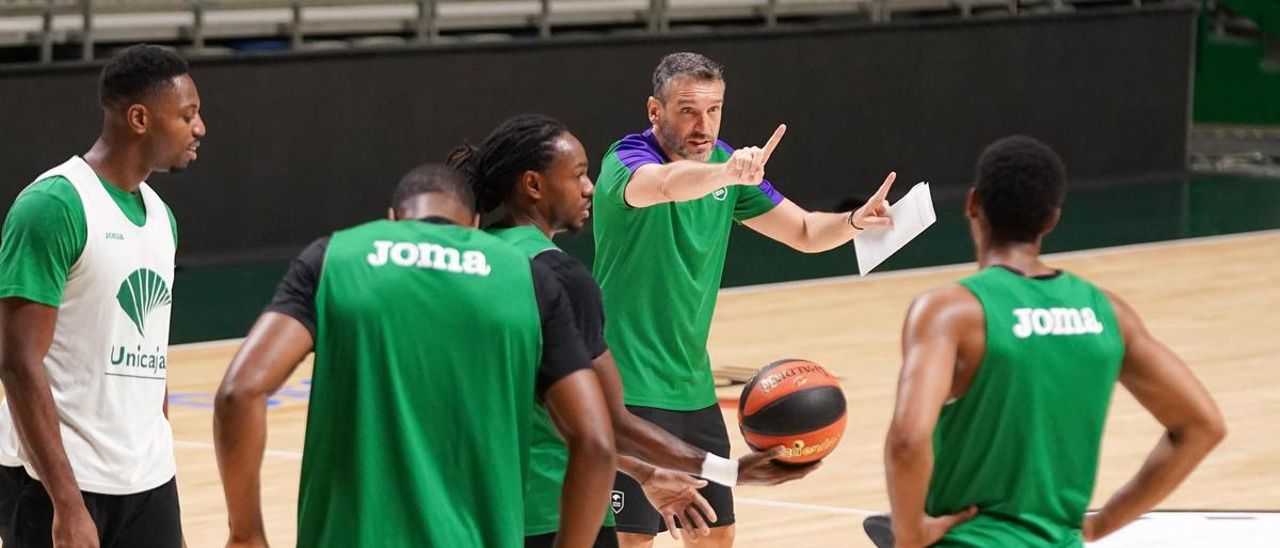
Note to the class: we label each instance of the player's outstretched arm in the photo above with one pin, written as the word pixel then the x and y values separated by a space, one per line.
pixel 577 409
pixel 931 337
pixel 674 495
pixel 686 180
pixel 1163 384
pixel 26 331
pixel 818 231
pixel 646 441
pixel 275 346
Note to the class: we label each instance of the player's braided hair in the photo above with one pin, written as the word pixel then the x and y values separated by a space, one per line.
pixel 137 71
pixel 520 144
pixel 1020 183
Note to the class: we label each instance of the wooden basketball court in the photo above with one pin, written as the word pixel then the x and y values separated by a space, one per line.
pixel 1216 301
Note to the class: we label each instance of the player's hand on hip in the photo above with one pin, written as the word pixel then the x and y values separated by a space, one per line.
pixel 746 165
pixel 875 213
pixel 933 529
pixel 759 468
pixel 1094 527
pixel 675 496
pixel 74 528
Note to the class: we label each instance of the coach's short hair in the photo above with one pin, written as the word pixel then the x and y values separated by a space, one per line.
pixel 138 71
pixel 1021 182
pixel 684 64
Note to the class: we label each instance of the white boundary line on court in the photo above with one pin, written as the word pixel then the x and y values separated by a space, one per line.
pixel 907 273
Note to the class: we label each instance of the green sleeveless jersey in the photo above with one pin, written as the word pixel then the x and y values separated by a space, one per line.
pixel 1022 444
pixel 548 456
pixel 428 340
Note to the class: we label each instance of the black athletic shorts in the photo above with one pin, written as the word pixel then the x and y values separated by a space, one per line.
pixel 608 538
pixel 704 429
pixel 150 519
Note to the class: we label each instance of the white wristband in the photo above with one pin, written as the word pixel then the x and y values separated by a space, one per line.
pixel 720 470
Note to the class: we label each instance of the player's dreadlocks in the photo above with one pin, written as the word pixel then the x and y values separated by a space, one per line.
pixel 520 144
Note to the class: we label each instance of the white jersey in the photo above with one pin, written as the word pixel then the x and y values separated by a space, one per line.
pixel 107 363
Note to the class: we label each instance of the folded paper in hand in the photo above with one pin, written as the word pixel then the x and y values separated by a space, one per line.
pixel 911 215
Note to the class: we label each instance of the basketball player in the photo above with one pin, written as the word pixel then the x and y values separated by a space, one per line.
pixel 536 170
pixel 665 202
pixel 86 267
pixel 1007 377
pixel 431 341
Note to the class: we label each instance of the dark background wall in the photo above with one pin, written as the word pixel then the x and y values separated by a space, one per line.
pixel 301 144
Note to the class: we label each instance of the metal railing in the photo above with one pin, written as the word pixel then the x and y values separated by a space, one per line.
pixel 47 23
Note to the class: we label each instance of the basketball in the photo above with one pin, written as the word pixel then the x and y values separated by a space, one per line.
pixel 796 404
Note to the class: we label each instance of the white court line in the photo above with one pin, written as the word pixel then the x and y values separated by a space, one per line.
pixel 296 455
pixel 912 272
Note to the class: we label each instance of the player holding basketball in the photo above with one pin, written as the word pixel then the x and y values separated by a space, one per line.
pixel 86 267
pixel 665 202
pixel 1006 381
pixel 431 339
pixel 536 170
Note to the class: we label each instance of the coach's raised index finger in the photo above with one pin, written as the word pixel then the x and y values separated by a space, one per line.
pixel 773 142
pixel 883 193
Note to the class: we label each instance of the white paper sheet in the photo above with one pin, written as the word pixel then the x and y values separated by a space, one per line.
pixel 911 215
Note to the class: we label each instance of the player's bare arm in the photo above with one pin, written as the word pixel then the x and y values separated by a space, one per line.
pixel 276 344
pixel 27 333
pixel 674 495
pixel 932 336
pixel 577 408
pixel 1165 386
pixel 644 440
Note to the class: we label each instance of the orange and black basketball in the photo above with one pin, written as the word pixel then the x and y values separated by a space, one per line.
pixel 796 404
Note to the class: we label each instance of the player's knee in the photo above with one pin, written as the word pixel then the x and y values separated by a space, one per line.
pixel 634 540
pixel 720 537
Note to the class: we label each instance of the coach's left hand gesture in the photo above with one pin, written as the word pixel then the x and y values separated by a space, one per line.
pixel 874 213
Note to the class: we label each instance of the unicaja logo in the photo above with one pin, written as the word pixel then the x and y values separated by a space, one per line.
pixel 142 292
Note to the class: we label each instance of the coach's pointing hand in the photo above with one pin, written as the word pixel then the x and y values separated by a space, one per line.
pixel 874 213
pixel 759 468
pixel 746 166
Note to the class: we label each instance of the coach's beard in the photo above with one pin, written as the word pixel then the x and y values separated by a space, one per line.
pixel 671 141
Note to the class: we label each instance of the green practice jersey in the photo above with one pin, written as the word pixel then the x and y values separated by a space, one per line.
pixel 427 343
pixel 1022 444
pixel 548 456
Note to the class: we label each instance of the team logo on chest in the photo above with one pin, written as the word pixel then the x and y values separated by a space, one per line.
pixel 720 194
pixel 1055 321
pixel 142 292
